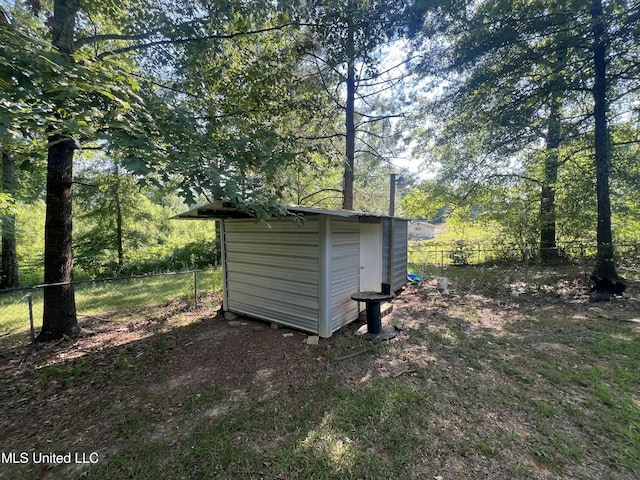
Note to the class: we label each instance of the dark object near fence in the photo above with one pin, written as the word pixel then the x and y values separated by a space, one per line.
pixel 605 289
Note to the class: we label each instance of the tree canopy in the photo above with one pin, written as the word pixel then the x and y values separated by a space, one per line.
pixel 526 110
pixel 529 89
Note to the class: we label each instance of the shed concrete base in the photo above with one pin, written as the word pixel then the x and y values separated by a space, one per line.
pixel 230 315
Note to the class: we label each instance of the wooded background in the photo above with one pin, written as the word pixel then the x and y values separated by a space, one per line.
pixel 520 116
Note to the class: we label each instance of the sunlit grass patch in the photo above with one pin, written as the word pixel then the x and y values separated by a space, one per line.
pixel 117 297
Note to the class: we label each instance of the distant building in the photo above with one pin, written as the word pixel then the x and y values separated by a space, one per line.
pixel 421 230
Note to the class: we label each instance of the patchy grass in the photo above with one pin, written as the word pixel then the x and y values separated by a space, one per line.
pixel 123 295
pixel 477 384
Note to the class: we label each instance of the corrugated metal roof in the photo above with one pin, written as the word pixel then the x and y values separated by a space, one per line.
pixel 224 209
pixel 219 209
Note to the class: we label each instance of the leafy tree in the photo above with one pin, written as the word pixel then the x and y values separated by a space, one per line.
pixel 527 70
pixel 79 85
pixel 22 185
pixel 10 187
pixel 9 275
pixel 103 200
pixel 312 181
pixel 625 180
pixel 346 44
pixel 510 87
pixel 55 91
pixel 124 228
pixel 251 102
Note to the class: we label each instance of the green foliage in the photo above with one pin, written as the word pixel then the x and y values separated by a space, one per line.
pixel 460 253
pixel 224 134
pixel 153 242
pixel 7 204
pixel 515 94
pixel 242 104
pixel 30 241
pixel 576 204
pixel 625 181
pixel 97 95
pixel 373 23
pixel 342 39
pixel 149 240
pixel 421 201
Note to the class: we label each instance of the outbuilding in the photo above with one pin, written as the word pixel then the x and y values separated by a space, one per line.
pixel 421 230
pixel 301 269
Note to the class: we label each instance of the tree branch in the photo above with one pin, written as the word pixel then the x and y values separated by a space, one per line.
pixel 373 119
pixel 181 41
pixel 306 197
pixel 321 137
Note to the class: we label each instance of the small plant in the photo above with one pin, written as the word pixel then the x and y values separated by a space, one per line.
pixel 81 368
pixel 134 424
pixel 542 454
pixel 461 253
pixel 55 372
pixel 631 450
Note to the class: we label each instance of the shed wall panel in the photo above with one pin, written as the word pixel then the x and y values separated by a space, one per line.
pixel 266 273
pixel 301 250
pixel 400 238
pixel 272 273
pixel 399 259
pixel 385 250
pixel 295 287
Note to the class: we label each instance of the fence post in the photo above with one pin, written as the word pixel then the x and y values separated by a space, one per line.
pixel 195 289
pixel 33 335
pixel 442 263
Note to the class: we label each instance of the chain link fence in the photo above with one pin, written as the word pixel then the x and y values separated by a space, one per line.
pixel 21 308
pixel 515 262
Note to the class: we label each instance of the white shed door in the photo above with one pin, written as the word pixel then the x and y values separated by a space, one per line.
pixel 371 257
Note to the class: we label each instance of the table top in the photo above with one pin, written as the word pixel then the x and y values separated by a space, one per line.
pixel 371 297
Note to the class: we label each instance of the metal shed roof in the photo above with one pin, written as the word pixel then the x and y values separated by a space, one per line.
pixel 224 209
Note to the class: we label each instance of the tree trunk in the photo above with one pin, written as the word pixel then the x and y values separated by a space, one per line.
pixel 59 311
pixel 548 247
pixel 9 275
pixel 59 315
pixel 605 264
pixel 350 149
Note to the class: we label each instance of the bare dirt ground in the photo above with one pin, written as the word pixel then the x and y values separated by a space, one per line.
pixel 154 361
pixel 78 395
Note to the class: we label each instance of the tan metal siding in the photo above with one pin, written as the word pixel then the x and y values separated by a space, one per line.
pixel 385 249
pixel 400 237
pixel 272 273
pixel 399 267
pixel 345 271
